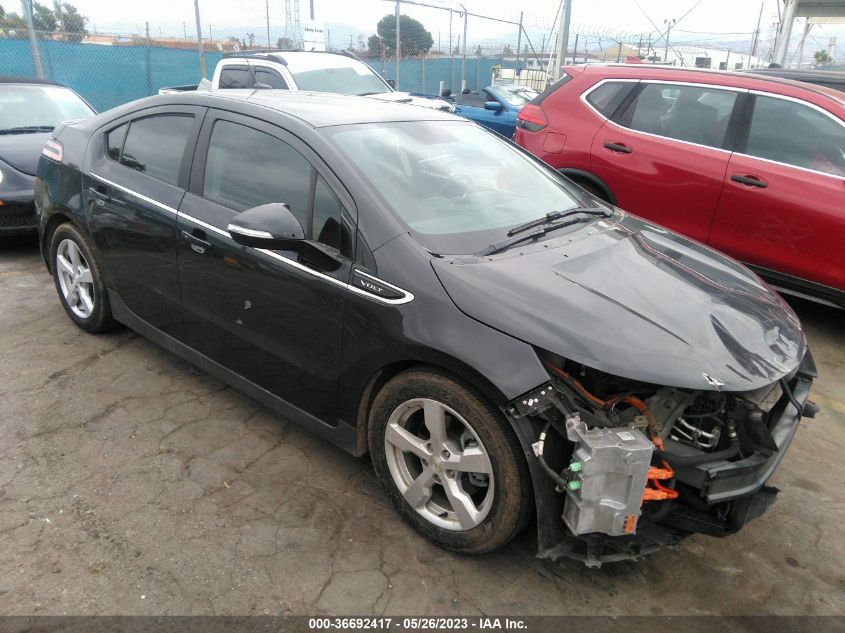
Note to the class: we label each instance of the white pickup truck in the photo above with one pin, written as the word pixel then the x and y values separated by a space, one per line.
pixel 341 73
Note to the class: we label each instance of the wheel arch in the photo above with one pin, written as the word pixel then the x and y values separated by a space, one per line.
pixel 57 218
pixel 450 367
pixel 580 176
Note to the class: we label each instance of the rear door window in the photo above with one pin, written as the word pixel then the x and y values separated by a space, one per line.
pixel 788 132
pixel 114 141
pixel 693 114
pixel 155 145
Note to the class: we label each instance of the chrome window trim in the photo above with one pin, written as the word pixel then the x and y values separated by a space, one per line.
pixel 595 86
pixel 135 194
pixel 406 298
pixel 813 106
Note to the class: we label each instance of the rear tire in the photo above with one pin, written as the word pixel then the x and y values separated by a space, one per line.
pixel 79 280
pixel 450 464
pixel 591 188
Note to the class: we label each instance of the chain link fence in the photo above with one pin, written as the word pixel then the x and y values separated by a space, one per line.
pixel 422 48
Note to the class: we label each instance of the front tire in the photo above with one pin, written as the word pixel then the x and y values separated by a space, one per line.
pixel 79 280
pixel 449 462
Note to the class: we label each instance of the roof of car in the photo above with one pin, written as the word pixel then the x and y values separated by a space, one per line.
pixel 318 109
pixel 706 75
pixel 12 79
pixel 801 74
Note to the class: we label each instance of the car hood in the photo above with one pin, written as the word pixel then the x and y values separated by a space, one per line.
pixel 635 300
pixel 22 151
pixel 407 97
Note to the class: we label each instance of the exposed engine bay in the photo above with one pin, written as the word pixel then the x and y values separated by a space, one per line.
pixel 640 466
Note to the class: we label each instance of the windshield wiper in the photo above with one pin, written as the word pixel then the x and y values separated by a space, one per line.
pixel 28 129
pixel 552 216
pixel 540 231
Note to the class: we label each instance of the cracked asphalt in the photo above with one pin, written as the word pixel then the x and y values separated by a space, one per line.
pixel 131 483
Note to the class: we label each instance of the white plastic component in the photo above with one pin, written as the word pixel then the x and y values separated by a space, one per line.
pixel 614 467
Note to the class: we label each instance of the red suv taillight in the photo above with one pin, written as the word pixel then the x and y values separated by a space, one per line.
pixel 532 118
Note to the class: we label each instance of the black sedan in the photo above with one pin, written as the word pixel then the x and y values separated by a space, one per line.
pixel 407 284
pixel 29 110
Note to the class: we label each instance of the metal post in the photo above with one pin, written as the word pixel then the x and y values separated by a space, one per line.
pixel 423 73
pixel 519 40
pixel 33 40
pixel 756 34
pixel 398 45
pixel 149 70
pixel 669 25
pixel 563 37
pixel 267 7
pixel 785 31
pixel 478 72
pixel 464 57
pixel 451 53
pixel 200 48
pixel 575 50
pixel 618 52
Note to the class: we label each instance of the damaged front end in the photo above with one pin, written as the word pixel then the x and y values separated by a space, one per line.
pixel 622 468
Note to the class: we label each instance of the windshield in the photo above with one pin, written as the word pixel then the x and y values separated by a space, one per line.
pixel 343 76
pixel 457 187
pixel 35 106
pixel 516 96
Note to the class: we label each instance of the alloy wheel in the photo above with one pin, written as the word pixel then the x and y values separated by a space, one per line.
pixel 75 280
pixel 439 464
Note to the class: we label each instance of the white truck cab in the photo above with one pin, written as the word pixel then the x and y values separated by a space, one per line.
pixel 341 73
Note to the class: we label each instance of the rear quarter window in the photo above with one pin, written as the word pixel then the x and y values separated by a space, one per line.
pixel 607 97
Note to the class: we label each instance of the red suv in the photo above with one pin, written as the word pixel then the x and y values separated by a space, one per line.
pixel 751 165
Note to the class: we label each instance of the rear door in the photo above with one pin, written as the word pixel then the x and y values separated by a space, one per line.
pixel 139 173
pixel 270 316
pixel 783 205
pixel 664 153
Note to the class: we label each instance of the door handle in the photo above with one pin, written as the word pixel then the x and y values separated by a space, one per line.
pixel 620 148
pixel 196 242
pixel 751 181
pixel 99 194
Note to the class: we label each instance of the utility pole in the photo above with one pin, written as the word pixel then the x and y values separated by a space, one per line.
pixel 519 40
pixel 669 24
pixel 184 30
pixel 200 48
pixel 267 8
pixel 575 49
pixel 33 41
pixel 756 39
pixel 451 53
pixel 563 37
pixel 464 56
pixel 398 45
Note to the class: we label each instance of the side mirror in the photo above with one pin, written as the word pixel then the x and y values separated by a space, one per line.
pixel 391 83
pixel 493 105
pixel 271 226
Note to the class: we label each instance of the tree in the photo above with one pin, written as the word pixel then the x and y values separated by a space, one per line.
pixel 12 22
pixel 73 22
pixel 375 47
pixel 43 18
pixel 821 58
pixel 413 36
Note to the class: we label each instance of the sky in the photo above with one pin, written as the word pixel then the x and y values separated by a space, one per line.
pixel 699 20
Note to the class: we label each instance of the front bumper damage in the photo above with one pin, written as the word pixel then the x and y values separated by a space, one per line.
pixel 717 498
